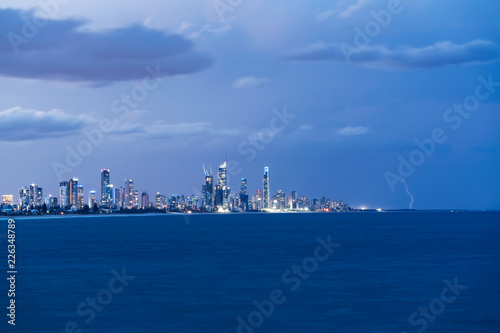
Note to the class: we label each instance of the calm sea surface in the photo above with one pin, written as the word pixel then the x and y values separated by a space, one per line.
pixel 385 272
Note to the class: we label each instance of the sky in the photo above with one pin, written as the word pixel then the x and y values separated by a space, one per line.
pixel 380 103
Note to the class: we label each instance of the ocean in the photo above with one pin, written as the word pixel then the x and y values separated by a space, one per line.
pixel 317 272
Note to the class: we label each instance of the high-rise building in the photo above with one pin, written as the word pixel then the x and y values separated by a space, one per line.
pixel 73 193
pixel 259 201
pixel 145 200
pixel 280 199
pixel 243 194
pixel 105 193
pixel 120 197
pixel 294 203
pixel 194 202
pixel 207 190
pixel 53 202
pixel 39 196
pixel 222 180
pixel 24 197
pixel 266 188
pixel 80 197
pixel 160 201
pixel 117 194
pixel 33 195
pixel 111 197
pixel 92 199
pixel 47 200
pixel 64 194
pixel 129 193
pixel 136 199
pixel 222 190
pixel 175 203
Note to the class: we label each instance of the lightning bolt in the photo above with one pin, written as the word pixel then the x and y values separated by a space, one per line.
pixel 407 191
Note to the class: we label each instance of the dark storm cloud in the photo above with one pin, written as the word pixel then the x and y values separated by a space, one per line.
pixel 64 50
pixel 436 55
pixel 19 124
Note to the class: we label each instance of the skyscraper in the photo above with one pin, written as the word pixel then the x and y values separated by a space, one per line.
pixel 280 199
pixel 294 204
pixel 136 199
pixel 24 197
pixel 53 202
pixel 105 194
pixel 73 193
pixel 92 199
pixel 120 197
pixel 129 193
pixel 207 190
pixel 63 194
pixel 111 198
pixel 243 194
pixel 80 197
pixel 33 195
pixel 145 200
pixel 160 201
pixel 223 191
pixel 39 196
pixel 266 188
pixel 222 180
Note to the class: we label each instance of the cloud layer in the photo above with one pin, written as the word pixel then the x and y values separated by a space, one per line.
pixel 436 55
pixel 18 124
pixel 163 130
pixel 250 82
pixel 63 50
pixel 356 130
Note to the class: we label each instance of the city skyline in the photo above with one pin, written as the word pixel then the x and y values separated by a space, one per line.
pixel 213 197
pixel 386 111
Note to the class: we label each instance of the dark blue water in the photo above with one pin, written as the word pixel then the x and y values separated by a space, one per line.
pixel 200 274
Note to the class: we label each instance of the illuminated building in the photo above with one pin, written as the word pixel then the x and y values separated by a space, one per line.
pixel 73 193
pixel 64 194
pixel 105 190
pixel 266 188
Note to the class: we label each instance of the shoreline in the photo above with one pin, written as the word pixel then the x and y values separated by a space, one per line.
pixel 172 214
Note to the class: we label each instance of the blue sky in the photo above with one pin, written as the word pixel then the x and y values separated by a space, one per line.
pixel 331 95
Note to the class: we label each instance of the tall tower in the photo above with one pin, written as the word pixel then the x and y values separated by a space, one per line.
pixel 207 190
pixel 105 195
pixel 33 195
pixel 63 194
pixel 294 200
pixel 243 194
pixel 222 180
pixel 223 189
pixel 92 199
pixel 266 184
pixel 73 192
pixel 144 200
pixel 39 196
pixel 129 193
pixel 80 196
pixel 243 187
pixel 24 197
